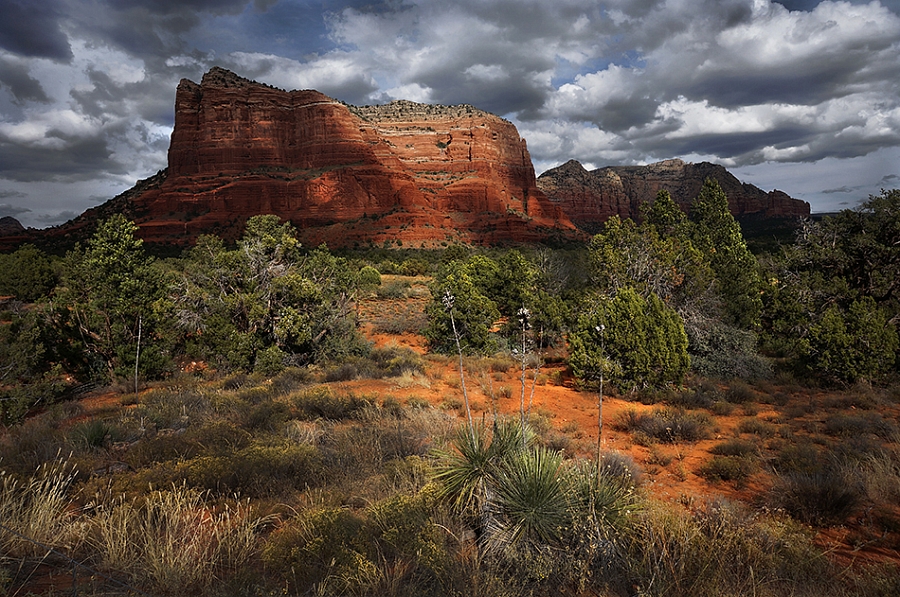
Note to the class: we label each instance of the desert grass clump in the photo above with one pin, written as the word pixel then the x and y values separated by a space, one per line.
pixel 26 447
pixel 321 551
pixel 879 474
pixel 719 549
pixel 263 468
pixel 757 426
pixel 735 447
pixel 395 289
pixel 322 402
pixel 393 361
pixel 727 468
pixel 411 320
pixel 824 497
pixel 801 457
pixel 863 424
pixel 174 541
pixel 172 407
pixel 37 509
pixel 670 425
pixel 290 380
pixel 392 547
pixel 93 433
pixel 740 393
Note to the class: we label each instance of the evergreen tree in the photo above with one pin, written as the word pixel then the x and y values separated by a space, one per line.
pixel 718 236
pixel 455 291
pixel 665 216
pixel 26 274
pixel 635 342
pixel 264 303
pixel 110 287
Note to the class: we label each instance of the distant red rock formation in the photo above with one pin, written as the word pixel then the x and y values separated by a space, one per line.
pixel 403 173
pixel 591 197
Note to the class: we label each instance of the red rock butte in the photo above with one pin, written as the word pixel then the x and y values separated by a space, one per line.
pixel 405 173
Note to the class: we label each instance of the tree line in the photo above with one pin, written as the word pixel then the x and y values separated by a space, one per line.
pixel 642 305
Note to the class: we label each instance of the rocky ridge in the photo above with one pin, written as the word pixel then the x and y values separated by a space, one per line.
pixel 403 173
pixel 589 198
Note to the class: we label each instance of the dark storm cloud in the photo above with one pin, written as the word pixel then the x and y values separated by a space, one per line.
pixel 31 28
pixel 735 145
pixel 56 218
pixel 81 159
pixel 837 190
pixel 11 210
pixel 23 87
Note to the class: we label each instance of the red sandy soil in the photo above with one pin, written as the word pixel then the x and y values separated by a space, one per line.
pixel 574 413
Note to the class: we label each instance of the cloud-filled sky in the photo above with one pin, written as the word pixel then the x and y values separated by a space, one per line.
pixel 799 95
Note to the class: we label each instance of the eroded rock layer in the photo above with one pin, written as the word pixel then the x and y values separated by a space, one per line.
pixel 589 198
pixel 402 173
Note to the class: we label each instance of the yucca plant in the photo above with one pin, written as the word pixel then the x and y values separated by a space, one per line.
pixel 468 467
pixel 468 472
pixel 530 501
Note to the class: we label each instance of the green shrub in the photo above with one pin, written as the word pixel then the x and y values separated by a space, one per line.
pixel 632 341
pixel 727 468
pixel 414 267
pixel 857 344
pixel 257 470
pixel 823 497
pixel 667 424
pixel 369 277
pixel 320 545
pixel 460 315
pixel 270 361
pixel 721 351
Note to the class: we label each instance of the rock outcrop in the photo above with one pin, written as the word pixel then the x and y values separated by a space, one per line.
pixel 589 198
pixel 9 226
pixel 403 173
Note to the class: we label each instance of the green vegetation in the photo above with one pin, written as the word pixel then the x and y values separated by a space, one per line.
pixel 832 299
pixel 632 340
pixel 240 450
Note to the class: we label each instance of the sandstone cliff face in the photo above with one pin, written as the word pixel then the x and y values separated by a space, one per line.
pixel 590 198
pixel 409 173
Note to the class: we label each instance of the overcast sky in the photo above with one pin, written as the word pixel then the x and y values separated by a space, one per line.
pixel 798 95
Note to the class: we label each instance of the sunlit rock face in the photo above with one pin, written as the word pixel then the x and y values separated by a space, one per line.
pixel 589 198
pixel 407 173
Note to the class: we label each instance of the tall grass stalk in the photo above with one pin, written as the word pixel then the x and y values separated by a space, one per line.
pixel 448 304
pixel 175 541
pixel 37 510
